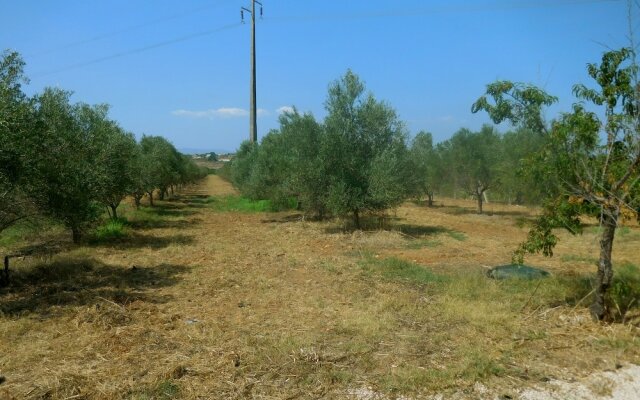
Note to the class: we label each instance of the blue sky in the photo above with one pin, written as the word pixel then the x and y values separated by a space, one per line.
pixel 180 69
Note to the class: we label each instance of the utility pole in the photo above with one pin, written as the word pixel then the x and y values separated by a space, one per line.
pixel 253 123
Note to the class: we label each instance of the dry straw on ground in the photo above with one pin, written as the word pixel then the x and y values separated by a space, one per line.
pixel 205 304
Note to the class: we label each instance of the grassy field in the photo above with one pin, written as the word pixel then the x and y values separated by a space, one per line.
pixel 208 296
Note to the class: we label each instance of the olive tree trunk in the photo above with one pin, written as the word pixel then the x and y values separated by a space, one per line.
pixel 114 211
pixel 76 234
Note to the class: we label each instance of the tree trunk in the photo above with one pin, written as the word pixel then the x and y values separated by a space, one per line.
pixel 479 197
pixel 4 275
pixel 76 234
pixel 162 192
pixel 150 198
pixel 430 199
pixel 356 218
pixel 519 198
pixel 136 200
pixel 114 212
pixel 605 269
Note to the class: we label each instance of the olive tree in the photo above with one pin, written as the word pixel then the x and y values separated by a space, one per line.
pixel 361 134
pixel 17 178
pixel 473 158
pixel 65 160
pixel 425 166
pixel 115 160
pixel 162 165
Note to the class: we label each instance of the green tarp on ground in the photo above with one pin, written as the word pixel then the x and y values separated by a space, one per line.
pixel 520 271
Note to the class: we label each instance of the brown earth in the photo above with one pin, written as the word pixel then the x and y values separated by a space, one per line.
pixel 209 304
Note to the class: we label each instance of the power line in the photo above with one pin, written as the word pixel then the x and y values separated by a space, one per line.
pixel 124 30
pixel 466 8
pixel 137 50
pixel 379 14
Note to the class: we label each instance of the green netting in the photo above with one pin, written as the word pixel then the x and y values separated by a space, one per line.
pixel 520 271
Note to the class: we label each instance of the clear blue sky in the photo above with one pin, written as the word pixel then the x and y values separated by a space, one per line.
pixel 180 69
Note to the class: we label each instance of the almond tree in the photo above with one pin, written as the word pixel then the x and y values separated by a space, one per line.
pixel 593 162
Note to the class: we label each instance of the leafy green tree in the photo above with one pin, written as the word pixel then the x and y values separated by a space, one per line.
pixel 141 180
pixel 427 166
pixel 516 102
pixel 595 163
pixel 518 181
pixel 17 177
pixel 474 157
pixel 68 145
pixel 359 132
pixel 242 165
pixel 190 172
pixel 270 170
pixel 308 179
pixel 163 165
pixel 286 165
pixel 115 160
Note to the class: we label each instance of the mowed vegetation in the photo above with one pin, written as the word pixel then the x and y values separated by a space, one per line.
pixel 334 266
pixel 200 301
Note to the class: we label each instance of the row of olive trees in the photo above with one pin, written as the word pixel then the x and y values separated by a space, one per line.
pixel 353 163
pixel 69 160
pixel 359 160
pixel 472 164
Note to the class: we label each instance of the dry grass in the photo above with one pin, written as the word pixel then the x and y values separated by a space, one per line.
pixel 200 304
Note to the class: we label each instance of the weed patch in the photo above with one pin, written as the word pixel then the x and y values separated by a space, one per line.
pixel 239 204
pixel 395 269
pixel 625 290
pixel 459 236
pixel 423 243
pixel 111 230
pixel 163 390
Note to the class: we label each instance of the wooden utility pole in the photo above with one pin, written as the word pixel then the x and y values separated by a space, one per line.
pixel 253 122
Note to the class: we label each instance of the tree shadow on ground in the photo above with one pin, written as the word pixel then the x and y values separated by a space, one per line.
pixel 48 248
pixel 192 200
pixel 136 241
pixel 163 211
pixel 421 230
pixel 389 224
pixel 76 282
pixel 458 210
pixel 143 224
pixel 284 219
